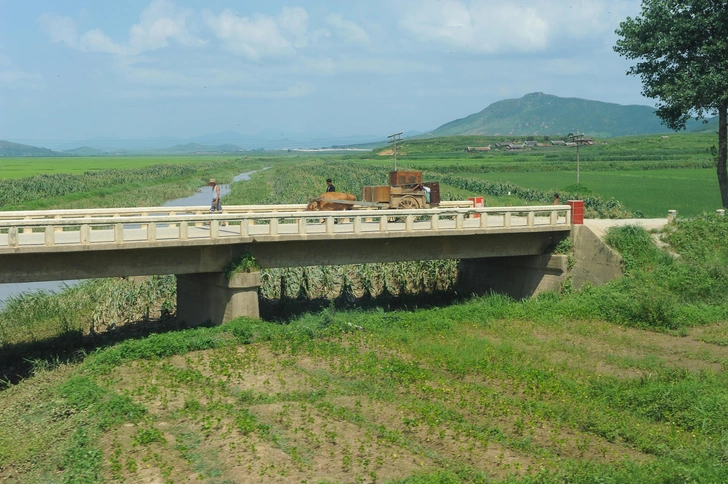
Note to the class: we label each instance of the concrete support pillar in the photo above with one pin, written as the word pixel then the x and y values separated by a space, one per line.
pixel 517 277
pixel 211 297
pixel 671 216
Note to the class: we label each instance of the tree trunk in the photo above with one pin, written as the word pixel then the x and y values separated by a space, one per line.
pixel 723 154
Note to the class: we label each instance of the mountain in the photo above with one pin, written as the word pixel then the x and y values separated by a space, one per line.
pixel 543 114
pixel 84 151
pixel 16 149
pixel 191 148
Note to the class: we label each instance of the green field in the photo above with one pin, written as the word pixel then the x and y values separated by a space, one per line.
pixel 29 166
pixel 621 383
pixel 651 192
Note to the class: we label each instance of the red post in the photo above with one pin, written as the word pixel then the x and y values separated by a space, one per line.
pixel 477 203
pixel 577 211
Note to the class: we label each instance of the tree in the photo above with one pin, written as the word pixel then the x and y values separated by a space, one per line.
pixel 681 48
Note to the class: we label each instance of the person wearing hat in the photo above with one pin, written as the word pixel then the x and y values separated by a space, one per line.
pixel 215 197
pixel 330 186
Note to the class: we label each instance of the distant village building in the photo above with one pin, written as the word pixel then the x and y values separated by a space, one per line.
pixel 558 142
pixel 531 143
pixel 514 146
pixel 479 148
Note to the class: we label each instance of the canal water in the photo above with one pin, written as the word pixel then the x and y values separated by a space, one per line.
pixel 203 197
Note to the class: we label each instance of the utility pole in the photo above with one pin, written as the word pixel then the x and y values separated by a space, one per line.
pixel 579 140
pixel 393 138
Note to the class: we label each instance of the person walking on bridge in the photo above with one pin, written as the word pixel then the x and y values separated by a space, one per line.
pixel 216 206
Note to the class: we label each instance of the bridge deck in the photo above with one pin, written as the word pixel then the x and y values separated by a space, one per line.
pixel 62 234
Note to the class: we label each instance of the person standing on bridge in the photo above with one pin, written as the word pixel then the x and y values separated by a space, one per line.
pixel 330 186
pixel 216 206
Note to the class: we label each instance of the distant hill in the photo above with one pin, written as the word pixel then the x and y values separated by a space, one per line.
pixel 199 148
pixel 543 114
pixel 16 149
pixel 84 151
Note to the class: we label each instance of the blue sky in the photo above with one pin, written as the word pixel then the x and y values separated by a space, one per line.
pixel 79 69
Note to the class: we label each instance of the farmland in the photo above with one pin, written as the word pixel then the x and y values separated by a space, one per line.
pixel 21 167
pixel 620 383
pixel 567 387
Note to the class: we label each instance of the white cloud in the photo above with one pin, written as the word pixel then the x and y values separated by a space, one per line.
pixel 295 21
pixel 160 21
pixel 13 77
pixel 253 38
pixel 491 26
pixel 347 29
pixel 328 66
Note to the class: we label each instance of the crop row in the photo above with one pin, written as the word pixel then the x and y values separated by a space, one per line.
pixel 38 187
pixel 594 207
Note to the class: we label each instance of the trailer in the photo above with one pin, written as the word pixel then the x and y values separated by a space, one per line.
pixel 406 190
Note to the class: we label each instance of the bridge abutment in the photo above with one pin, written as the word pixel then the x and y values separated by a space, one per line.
pixel 211 297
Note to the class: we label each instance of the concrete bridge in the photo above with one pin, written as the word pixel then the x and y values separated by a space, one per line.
pixel 504 246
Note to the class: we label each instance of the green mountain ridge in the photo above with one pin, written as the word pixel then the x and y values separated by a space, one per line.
pixel 544 114
pixel 16 149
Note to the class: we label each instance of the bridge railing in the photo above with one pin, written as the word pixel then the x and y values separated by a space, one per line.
pixel 172 211
pixel 119 230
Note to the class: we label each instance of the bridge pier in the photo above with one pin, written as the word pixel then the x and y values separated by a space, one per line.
pixel 211 297
pixel 517 277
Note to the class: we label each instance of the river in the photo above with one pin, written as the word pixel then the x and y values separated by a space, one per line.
pixel 202 197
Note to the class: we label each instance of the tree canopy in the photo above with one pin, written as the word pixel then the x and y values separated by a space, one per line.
pixel 681 49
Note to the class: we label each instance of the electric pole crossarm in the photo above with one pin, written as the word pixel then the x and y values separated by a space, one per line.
pixel 393 138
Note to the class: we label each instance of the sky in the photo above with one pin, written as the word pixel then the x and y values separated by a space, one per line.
pixel 80 69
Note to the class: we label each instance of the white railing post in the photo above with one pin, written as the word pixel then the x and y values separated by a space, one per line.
pixel 119 233
pixel 13 236
pixel 530 217
pixel 483 220
pixel 554 217
pixel 435 222
pixel 302 226
pixel 357 224
pixel 329 225
pixel 245 227
pixel 183 231
pixel 151 232
pixel 507 220
pixel 383 221
pixel 85 237
pixel 274 226
pixel 50 235
pixel 214 229
pixel 459 221
pixel 409 223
